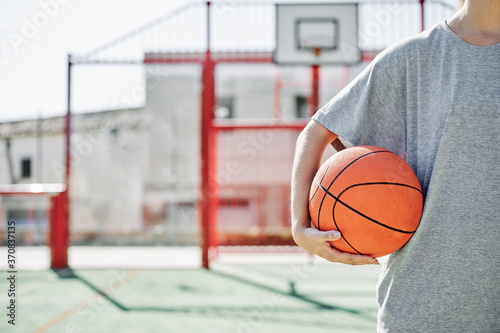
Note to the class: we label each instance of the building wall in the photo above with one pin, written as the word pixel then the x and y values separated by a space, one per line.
pixel 45 162
pixel 140 184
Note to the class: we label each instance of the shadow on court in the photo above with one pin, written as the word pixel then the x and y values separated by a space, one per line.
pixel 227 298
pixel 230 300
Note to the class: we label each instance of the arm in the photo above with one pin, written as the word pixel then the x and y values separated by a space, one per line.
pixel 310 147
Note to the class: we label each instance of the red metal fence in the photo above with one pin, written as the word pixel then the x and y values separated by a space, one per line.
pixel 245 167
pixel 253 175
pixel 56 210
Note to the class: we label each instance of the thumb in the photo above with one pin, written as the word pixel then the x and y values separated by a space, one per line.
pixel 332 235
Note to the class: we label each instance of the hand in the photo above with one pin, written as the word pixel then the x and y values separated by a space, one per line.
pixel 317 242
pixel 308 153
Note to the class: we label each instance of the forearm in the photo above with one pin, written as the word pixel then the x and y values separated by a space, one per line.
pixel 311 145
pixel 308 153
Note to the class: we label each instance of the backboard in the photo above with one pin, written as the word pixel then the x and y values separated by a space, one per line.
pixel 316 34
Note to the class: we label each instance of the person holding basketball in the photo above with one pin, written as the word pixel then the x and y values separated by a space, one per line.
pixel 433 99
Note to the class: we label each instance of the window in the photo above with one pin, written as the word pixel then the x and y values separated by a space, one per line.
pixel 301 107
pixel 26 168
pixel 224 108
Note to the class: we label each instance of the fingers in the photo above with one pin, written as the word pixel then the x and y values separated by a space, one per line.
pixel 318 242
pixel 331 254
pixel 334 255
pixel 322 236
pixel 354 259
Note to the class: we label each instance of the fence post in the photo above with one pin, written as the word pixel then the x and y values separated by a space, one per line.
pixel 60 208
pixel 58 231
pixel 209 188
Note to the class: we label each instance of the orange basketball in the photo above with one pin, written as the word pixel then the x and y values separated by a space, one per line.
pixel 369 194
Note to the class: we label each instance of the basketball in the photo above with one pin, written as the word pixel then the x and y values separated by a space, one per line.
pixel 371 196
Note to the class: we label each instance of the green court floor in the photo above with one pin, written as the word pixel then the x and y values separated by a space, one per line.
pixel 301 297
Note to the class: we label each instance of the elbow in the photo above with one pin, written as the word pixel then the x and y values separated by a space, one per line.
pixel 316 132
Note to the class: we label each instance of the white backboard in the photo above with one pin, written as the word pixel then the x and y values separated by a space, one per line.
pixel 304 29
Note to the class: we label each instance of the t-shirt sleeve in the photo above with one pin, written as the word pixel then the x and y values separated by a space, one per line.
pixel 369 111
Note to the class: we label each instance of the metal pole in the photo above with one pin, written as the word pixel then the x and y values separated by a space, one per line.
pixel 59 223
pixel 314 103
pixel 58 232
pixel 314 98
pixel 8 151
pixel 68 127
pixel 39 148
pixel 422 14
pixel 209 189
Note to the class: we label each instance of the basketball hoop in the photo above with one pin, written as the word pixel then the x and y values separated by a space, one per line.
pixel 317 51
pixel 311 34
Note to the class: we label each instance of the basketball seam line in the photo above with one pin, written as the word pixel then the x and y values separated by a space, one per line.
pixel 337 226
pixel 324 175
pixel 337 176
pixel 365 216
pixel 383 183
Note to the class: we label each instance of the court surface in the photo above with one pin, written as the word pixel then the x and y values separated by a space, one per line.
pixel 241 293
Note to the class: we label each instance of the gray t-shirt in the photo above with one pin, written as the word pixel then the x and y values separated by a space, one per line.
pixel 435 100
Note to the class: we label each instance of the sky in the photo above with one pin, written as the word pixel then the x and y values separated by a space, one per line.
pixel 37 35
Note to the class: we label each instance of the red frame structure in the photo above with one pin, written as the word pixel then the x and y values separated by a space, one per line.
pixel 208 203
pixel 58 236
